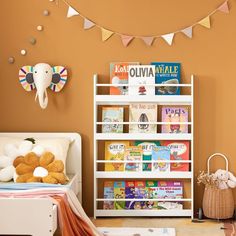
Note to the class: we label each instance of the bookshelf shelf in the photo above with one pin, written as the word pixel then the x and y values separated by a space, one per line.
pixel 125 100
pixel 142 175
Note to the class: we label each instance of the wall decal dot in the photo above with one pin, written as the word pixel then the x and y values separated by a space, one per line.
pixel 11 60
pixel 23 52
pixel 40 28
pixel 46 13
pixel 32 40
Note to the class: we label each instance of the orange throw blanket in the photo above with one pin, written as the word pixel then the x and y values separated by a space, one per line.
pixel 70 224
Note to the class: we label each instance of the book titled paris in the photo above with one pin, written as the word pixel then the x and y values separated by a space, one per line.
pixel 174 115
pixel 167 73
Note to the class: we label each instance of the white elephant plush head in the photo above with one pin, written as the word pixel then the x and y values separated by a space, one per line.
pixel 41 76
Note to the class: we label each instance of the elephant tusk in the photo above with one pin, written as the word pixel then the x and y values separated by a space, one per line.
pixel 36 96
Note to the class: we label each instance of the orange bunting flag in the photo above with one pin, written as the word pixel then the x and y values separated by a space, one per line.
pixel 126 39
pixel 148 40
pixel 205 22
pixel 106 34
pixel 168 38
pixel 188 31
pixel 71 12
pixel 88 24
pixel 224 7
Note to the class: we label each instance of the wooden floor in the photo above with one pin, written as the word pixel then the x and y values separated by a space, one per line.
pixel 183 226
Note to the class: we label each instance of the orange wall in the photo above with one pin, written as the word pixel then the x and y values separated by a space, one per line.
pixel 210 55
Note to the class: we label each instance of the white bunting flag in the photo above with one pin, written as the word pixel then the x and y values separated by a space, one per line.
pixel 88 24
pixel 168 38
pixel 188 32
pixel 72 12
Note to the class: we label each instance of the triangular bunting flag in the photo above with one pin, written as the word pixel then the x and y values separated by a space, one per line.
pixel 71 12
pixel 126 39
pixel 224 7
pixel 148 40
pixel 88 24
pixel 106 34
pixel 168 38
pixel 188 32
pixel 205 22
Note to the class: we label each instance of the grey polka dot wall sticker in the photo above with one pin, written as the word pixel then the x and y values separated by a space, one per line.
pixel 32 40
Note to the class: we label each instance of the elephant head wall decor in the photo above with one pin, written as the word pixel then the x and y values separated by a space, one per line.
pixel 41 76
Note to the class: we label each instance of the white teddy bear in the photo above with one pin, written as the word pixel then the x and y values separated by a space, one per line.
pixel 226 179
pixel 10 152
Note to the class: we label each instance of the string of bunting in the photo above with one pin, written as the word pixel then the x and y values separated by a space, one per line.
pixel 148 40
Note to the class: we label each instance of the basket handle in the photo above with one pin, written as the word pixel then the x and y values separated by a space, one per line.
pixel 217 154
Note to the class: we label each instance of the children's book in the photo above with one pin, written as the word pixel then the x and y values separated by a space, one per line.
pixel 133 153
pixel 108 193
pixel 146 112
pixel 112 114
pixel 115 151
pixel 169 206
pixel 140 192
pixel 169 189
pixel 147 152
pixel 141 80
pixel 173 115
pixel 167 73
pixel 179 150
pixel 151 191
pixel 129 194
pixel 119 75
pixel 161 153
pixel 119 193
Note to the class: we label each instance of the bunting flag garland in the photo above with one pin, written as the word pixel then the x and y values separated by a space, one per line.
pixel 149 39
pixel 205 22
pixel 88 24
pixel 72 12
pixel 106 34
pixel 168 38
pixel 188 32
pixel 224 7
pixel 126 39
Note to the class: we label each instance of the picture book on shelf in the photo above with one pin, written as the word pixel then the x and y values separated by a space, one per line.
pixel 129 194
pixel 112 114
pixel 161 153
pixel 133 153
pixel 140 192
pixel 147 147
pixel 169 189
pixel 173 115
pixel 119 75
pixel 151 189
pixel 115 151
pixel 179 150
pixel 108 193
pixel 142 112
pixel 119 193
pixel 141 80
pixel 167 73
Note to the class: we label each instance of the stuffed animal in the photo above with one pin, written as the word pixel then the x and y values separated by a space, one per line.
pixel 226 179
pixel 45 169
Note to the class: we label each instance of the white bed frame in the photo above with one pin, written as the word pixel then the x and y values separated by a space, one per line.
pixel 38 217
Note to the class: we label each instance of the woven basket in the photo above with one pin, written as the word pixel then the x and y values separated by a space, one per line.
pixel 218 203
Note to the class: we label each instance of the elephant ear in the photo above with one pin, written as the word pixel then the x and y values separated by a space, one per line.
pixel 59 78
pixel 26 78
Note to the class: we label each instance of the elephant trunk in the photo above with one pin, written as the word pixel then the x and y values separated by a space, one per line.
pixel 43 98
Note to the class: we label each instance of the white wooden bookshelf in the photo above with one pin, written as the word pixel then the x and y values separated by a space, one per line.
pixel 123 100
